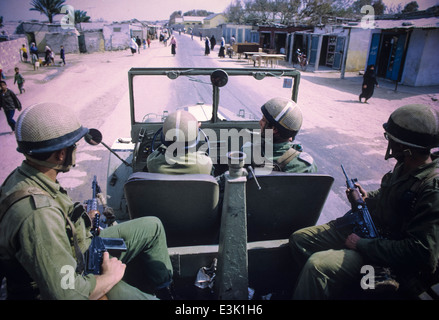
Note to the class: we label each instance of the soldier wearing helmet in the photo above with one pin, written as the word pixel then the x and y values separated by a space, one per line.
pixel 177 154
pixel 284 117
pixel 44 234
pixel 405 210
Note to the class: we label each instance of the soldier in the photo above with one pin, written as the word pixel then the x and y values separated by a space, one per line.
pixel 284 117
pixel 405 211
pixel 44 234
pixel 177 153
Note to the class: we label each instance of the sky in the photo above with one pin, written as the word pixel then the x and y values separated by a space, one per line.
pixel 118 10
pixel 115 10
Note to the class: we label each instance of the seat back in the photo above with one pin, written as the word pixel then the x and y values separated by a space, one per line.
pixel 186 204
pixel 285 203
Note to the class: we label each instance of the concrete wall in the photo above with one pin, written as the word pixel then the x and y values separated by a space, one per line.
pixel 422 65
pixel 115 39
pixel 68 40
pixel 94 41
pixel 358 51
pixel 10 54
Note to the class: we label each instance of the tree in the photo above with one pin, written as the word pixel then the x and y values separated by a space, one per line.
pixel 234 12
pixel 410 7
pixel 48 7
pixel 81 16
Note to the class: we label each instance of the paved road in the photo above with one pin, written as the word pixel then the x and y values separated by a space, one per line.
pixel 337 128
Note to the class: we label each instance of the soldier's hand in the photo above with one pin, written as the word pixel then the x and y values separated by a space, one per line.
pixel 351 241
pixel 360 189
pixel 113 267
pixel 112 272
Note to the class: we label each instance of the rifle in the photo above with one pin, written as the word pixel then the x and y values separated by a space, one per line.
pixel 359 216
pixel 94 254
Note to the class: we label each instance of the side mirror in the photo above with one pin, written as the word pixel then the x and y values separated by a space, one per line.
pixel 93 137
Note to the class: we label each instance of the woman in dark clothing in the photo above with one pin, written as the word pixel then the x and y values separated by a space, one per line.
pixel 206 46
pixel 369 82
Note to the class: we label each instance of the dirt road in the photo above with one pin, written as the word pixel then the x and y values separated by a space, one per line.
pixel 96 87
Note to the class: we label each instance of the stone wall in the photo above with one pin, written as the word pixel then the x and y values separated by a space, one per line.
pixel 68 40
pixel 10 53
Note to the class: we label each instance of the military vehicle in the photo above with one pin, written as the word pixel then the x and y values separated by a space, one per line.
pixel 226 240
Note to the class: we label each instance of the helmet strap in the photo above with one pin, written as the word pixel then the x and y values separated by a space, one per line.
pixel 69 162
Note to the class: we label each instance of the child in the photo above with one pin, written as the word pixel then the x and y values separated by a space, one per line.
pixel 19 80
pixel 24 53
pixel 63 55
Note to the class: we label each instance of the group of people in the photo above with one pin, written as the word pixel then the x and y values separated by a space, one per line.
pixel 136 43
pixel 47 231
pixel 49 55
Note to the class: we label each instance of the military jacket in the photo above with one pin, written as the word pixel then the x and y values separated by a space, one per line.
pixel 36 236
pixel 301 162
pixel 409 221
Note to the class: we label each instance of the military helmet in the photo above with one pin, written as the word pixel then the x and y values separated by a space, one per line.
pixel 414 125
pixel 180 126
pixel 284 114
pixel 47 127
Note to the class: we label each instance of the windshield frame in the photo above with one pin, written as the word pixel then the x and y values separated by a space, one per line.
pixel 174 73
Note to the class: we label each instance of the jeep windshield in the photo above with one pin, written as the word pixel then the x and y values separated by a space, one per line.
pixel 237 94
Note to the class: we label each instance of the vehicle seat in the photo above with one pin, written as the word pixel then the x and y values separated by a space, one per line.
pixel 286 202
pixel 186 204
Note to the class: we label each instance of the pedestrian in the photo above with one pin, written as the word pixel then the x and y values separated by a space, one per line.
pixel 222 49
pixel 47 57
pixel 404 210
pixel 9 102
pixel 34 56
pixel 173 45
pixel 133 46
pixel 369 83
pixel 149 41
pixel 144 44
pixel 206 46
pixel 139 43
pixel 24 53
pixel 212 42
pixel 62 54
pixel 19 80
pixel 2 75
pixel 46 235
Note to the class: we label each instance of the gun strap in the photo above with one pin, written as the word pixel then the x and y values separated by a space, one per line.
pixel 17 196
pixel 30 191
pixel 286 158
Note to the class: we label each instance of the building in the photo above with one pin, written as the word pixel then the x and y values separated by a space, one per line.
pixel 406 51
pixel 214 20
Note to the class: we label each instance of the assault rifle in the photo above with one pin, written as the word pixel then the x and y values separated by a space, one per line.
pixel 358 217
pixel 94 254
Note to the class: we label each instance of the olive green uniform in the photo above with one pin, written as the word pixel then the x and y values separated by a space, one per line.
pixel 186 163
pixel 302 161
pixel 298 162
pixel 410 247
pixel 36 243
